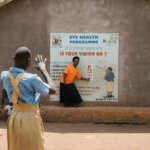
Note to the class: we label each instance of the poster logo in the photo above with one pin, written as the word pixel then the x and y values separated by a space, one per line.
pixel 56 41
pixel 111 40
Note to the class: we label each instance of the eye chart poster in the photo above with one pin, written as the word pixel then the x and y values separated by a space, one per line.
pixel 98 54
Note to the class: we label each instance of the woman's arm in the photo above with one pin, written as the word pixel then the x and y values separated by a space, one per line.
pixel 86 79
pixel 64 75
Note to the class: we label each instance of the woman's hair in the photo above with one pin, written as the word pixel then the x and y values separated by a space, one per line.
pixel 75 57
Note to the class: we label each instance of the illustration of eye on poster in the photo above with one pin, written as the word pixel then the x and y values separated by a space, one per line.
pixel 98 54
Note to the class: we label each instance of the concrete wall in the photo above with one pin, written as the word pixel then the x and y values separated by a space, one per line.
pixel 28 22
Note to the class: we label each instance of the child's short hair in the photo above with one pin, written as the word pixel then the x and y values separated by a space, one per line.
pixel 110 68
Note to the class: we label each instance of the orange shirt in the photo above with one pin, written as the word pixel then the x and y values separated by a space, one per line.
pixel 71 73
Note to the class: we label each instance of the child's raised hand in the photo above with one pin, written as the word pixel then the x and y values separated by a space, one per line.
pixel 40 63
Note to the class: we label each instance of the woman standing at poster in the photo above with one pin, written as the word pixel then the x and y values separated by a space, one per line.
pixel 69 94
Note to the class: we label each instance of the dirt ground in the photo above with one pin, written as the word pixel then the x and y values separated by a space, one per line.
pixel 89 136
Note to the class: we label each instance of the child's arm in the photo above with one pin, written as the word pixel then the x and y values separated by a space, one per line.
pixel 41 66
pixel 106 74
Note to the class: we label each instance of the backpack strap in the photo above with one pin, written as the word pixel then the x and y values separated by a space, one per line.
pixel 15 82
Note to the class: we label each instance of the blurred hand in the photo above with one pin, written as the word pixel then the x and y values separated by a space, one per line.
pixel 40 63
pixel 9 109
